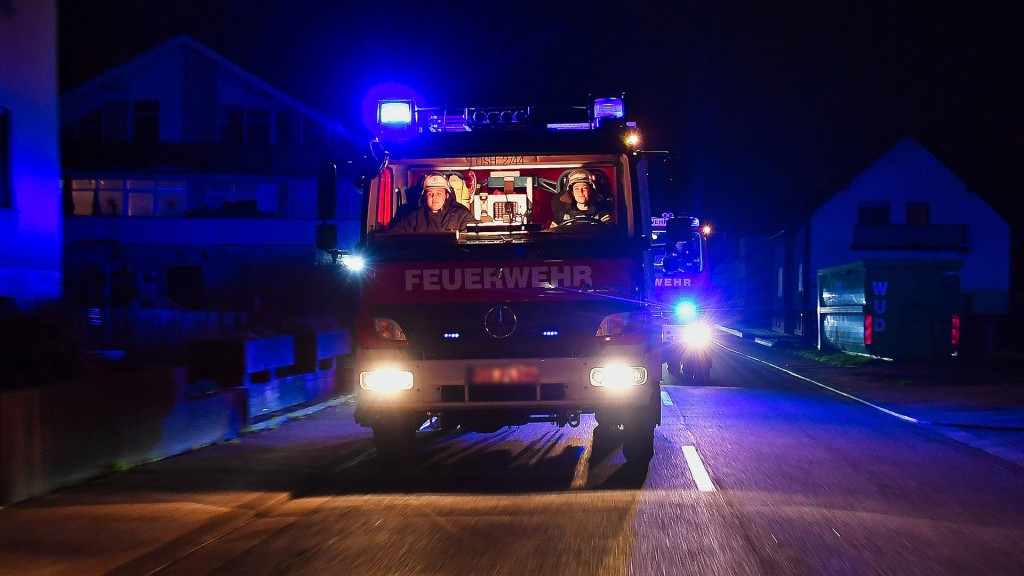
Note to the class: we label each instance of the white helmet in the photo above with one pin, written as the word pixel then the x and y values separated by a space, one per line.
pixel 580 175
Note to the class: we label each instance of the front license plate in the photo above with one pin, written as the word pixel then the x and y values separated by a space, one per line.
pixel 514 374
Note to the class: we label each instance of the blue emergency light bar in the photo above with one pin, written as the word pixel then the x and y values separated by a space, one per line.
pixel 400 115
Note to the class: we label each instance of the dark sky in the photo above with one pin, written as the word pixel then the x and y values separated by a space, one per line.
pixel 768 108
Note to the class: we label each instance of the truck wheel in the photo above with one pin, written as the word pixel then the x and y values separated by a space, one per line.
pixel 606 437
pixel 638 443
pixel 395 443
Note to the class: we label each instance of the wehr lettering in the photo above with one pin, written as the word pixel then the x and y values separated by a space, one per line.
pixel 672 282
pixel 490 278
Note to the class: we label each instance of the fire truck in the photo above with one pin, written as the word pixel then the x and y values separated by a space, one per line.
pixel 525 315
pixel 682 293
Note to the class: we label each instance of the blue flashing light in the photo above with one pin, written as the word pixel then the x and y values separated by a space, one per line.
pixel 353 262
pixel 608 108
pixel 452 335
pixel 549 333
pixel 686 311
pixel 394 113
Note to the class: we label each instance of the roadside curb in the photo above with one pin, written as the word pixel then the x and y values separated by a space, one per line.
pixel 283 416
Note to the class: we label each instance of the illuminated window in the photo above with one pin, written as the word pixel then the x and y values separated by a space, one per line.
pixel 873 213
pixel 111 197
pixel 5 158
pixel 918 213
pixel 140 197
pixel 83 195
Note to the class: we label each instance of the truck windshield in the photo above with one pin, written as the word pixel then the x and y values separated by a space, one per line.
pixel 503 197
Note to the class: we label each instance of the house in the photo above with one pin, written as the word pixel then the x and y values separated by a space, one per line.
pixel 197 182
pixel 905 206
pixel 30 175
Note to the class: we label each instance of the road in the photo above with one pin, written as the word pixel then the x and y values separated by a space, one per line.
pixel 755 473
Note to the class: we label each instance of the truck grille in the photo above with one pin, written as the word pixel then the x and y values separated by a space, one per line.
pixel 507 393
pixel 539 329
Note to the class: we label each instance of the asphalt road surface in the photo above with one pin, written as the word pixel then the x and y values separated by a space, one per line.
pixel 756 472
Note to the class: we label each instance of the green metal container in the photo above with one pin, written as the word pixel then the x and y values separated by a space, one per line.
pixel 897 309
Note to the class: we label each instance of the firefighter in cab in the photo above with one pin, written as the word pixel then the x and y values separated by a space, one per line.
pixel 437 210
pixel 580 203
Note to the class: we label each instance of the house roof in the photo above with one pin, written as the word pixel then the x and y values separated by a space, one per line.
pixel 187 43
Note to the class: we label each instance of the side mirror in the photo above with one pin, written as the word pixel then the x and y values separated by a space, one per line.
pixel 372 165
pixel 326 237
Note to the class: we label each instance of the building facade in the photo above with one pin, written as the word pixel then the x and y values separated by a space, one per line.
pixel 905 206
pixel 197 177
pixel 30 174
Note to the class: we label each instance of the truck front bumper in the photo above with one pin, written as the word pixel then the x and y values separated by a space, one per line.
pixel 389 382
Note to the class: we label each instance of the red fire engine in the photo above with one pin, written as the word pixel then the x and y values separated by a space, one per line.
pixel 532 313
pixel 682 291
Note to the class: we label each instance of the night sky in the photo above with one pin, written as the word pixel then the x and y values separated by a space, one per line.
pixel 769 109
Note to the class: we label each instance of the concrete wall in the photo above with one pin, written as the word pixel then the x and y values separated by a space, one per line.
pixel 59 435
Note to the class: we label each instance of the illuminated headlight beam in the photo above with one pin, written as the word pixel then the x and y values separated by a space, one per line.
pixel 618 376
pixel 386 381
pixel 353 262
pixel 697 335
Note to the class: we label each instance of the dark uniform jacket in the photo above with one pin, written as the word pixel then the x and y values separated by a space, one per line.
pixel 451 216
pixel 563 209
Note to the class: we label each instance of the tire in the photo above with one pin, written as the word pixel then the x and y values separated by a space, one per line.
pixel 606 438
pixel 638 443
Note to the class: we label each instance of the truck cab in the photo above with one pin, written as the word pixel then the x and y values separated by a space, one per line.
pixel 536 310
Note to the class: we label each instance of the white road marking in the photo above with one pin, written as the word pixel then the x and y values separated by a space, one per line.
pixel 697 470
pixel 665 399
pixel 580 474
pixel 829 388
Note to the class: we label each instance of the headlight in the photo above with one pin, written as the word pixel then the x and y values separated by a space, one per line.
pixel 618 376
pixel 387 380
pixel 697 335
